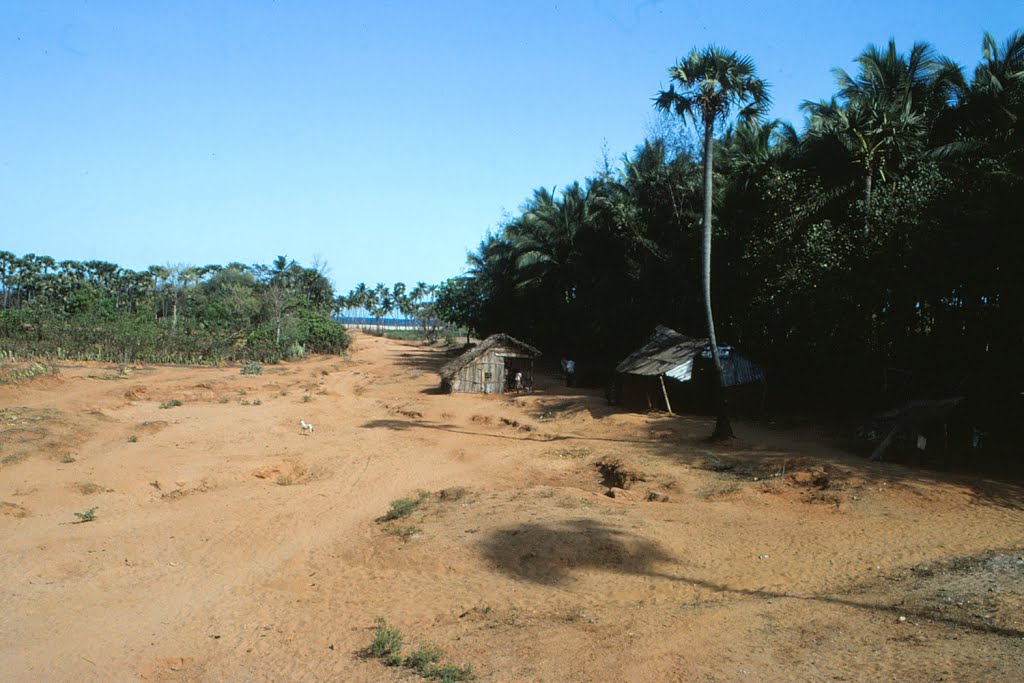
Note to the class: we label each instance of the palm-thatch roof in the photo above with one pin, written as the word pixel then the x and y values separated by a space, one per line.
pixel 665 351
pixel 521 348
pixel 672 354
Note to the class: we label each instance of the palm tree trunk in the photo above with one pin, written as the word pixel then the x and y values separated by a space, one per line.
pixel 867 202
pixel 723 428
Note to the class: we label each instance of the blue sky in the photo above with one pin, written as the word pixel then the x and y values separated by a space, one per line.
pixel 384 137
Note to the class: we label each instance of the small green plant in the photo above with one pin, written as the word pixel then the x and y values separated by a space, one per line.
pixel 245 402
pixel 307 398
pixel 67 459
pixel 252 368
pixel 403 507
pixel 257 402
pixel 173 403
pixel 87 516
pixel 325 372
pixel 133 439
pixel 451 673
pixel 404 532
pixel 387 643
pixel 424 658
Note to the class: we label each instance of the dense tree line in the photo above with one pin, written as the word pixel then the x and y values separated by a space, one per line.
pixel 96 310
pixel 886 235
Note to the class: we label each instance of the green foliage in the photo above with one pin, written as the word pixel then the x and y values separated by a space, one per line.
pixel 252 368
pixel 425 660
pixel 387 643
pixel 178 314
pixel 87 516
pixel 173 403
pixel 403 507
pixel 67 459
pixel 818 273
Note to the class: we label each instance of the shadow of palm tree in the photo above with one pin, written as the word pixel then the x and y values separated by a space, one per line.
pixel 549 554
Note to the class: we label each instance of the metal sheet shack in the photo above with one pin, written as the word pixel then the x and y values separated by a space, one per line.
pixel 640 379
pixel 483 368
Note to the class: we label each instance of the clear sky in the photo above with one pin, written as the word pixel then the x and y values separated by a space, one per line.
pixel 385 137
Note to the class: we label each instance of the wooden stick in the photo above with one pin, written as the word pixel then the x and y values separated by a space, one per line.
pixel 664 392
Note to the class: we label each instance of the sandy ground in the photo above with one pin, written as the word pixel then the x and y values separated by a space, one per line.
pixel 226 544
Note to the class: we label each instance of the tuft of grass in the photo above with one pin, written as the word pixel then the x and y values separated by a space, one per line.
pixel 387 643
pixel 403 507
pixel 87 516
pixel 13 458
pixel 425 659
pixel 67 459
pixel 451 673
pixel 245 402
pixel 252 368
pixel 307 398
pixel 257 402
pixel 404 532
pixel 324 373
pixel 133 439
pixel 173 403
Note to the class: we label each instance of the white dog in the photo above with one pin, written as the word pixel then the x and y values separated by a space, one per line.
pixel 306 427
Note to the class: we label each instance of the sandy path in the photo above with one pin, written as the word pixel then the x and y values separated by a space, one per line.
pixel 227 545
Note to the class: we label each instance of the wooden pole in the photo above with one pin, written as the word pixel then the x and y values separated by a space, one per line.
pixel 664 392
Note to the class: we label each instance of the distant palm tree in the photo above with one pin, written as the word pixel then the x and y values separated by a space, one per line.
pixel 712 83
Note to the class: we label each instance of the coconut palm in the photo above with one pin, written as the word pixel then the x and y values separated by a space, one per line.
pixel 882 115
pixel 707 87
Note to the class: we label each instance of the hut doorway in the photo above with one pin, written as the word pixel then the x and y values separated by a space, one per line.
pixel 518 375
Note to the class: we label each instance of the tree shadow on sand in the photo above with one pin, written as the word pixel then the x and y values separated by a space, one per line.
pixel 548 555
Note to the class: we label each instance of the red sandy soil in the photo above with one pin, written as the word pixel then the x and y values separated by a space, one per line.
pixel 228 545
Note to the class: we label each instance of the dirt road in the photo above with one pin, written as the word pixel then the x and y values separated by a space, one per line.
pixel 224 543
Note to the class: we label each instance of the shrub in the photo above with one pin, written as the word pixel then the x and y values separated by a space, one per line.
pixel 387 643
pixel 252 368
pixel 403 507
pixel 174 403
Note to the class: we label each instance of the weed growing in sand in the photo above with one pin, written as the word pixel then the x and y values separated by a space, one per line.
pixel 245 402
pixel 324 373
pixel 133 439
pixel 87 516
pixel 12 458
pixel 404 532
pixel 307 398
pixel 257 402
pixel 425 659
pixel 173 403
pixel 387 643
pixel 403 507
pixel 252 368
pixel 67 459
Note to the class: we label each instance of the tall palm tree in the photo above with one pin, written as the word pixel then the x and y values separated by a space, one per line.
pixel 712 84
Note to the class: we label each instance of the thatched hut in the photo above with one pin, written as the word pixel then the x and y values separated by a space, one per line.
pixel 673 369
pixel 488 367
